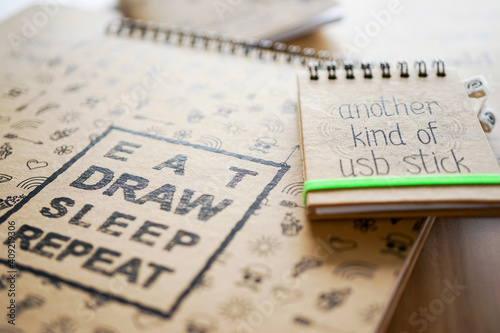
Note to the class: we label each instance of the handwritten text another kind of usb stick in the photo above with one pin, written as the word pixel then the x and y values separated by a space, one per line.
pixel 394 111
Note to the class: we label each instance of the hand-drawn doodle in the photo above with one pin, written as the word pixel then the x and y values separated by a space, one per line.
pixel 5 150
pixel 70 88
pixel 371 313
pixel 303 320
pixel 63 324
pixel 30 101
pixel 69 116
pixel 293 189
pixel 225 111
pixel 142 102
pixel 233 128
pixel 354 269
pixel 96 301
pixel 264 246
pixel 70 69
pixel 254 275
pixel 4 178
pixel 201 323
pixel 63 149
pixel 118 110
pixel 264 202
pixel 93 137
pixel 210 141
pixel 103 330
pixel 44 78
pixel 289 107
pixel 27 123
pixel 329 300
pixel 32 182
pixel 10 201
pixel 182 135
pixel 93 101
pixel 56 61
pixel 31 301
pixel 309 323
pixel 290 225
pixel 255 108
pixel 365 225
pixel 305 264
pixel 195 116
pixel 156 130
pixel 51 282
pixel 285 295
pixel 15 136
pixel 15 92
pixel 35 164
pixel 47 107
pixel 339 245
pixel 235 308
pixel 397 244
pixel 290 204
pixel 273 125
pixel 60 134
pixel 141 117
pixel 263 144
pixel 102 123
pixel 4 282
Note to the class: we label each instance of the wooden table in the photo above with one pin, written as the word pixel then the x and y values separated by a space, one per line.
pixel 465 250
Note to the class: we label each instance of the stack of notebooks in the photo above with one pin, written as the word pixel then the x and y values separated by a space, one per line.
pixel 152 180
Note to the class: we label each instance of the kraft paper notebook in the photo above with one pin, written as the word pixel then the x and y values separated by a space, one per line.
pixel 276 20
pixel 156 187
pixel 405 143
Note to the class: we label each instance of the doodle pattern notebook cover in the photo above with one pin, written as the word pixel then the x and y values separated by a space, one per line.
pixel 415 137
pixel 231 252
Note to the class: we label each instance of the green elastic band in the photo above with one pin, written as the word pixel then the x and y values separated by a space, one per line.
pixel 366 182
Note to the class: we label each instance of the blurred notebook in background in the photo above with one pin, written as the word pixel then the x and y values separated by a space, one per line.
pixel 206 230
pixel 277 20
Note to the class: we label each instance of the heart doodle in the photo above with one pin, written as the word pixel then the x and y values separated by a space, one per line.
pixel 35 164
pixel 339 244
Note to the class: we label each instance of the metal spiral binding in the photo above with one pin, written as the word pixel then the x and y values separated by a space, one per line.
pixel 366 67
pixel 222 43
pixel 316 60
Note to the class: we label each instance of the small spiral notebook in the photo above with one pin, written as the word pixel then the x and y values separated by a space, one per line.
pixel 377 142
